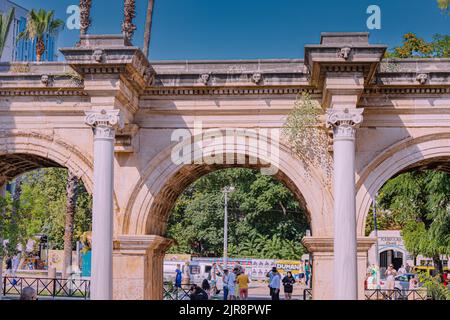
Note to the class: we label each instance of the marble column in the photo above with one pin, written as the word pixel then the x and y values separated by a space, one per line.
pixel 104 123
pixel 344 123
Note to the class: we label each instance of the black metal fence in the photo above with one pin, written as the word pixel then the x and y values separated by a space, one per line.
pixel 170 292
pixel 396 294
pixel 51 288
pixel 307 294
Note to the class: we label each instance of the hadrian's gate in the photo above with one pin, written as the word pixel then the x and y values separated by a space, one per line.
pixel 108 114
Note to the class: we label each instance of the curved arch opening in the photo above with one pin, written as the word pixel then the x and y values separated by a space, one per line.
pixel 165 200
pixel 411 218
pixel 266 219
pixel 38 194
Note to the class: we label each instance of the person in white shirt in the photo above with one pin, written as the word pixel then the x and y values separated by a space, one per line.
pixel 402 270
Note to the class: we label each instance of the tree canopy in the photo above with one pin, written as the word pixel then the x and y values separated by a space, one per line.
pixel 416 47
pixel 418 203
pixel 41 208
pixel 265 219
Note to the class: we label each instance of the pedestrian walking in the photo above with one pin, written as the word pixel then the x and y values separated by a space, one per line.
pixel 288 284
pixel 8 271
pixel 307 272
pixel 178 276
pixel 390 277
pixel 275 284
pixel 242 281
pixel 232 285
pixel 270 276
pixel 401 270
pixel 225 279
pixel 301 272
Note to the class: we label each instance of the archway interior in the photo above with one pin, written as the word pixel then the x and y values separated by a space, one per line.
pixel 13 165
pixel 165 200
pixel 260 210
pixel 415 201
pixel 39 206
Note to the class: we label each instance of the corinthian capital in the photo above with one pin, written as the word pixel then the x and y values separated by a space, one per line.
pixel 344 121
pixel 104 122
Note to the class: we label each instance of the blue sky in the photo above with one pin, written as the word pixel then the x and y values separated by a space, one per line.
pixel 253 29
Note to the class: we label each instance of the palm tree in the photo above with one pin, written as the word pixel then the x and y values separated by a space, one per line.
pixel 85 16
pixel 39 24
pixel 444 5
pixel 5 24
pixel 148 26
pixel 71 205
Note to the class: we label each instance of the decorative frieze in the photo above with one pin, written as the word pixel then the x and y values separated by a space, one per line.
pixel 174 91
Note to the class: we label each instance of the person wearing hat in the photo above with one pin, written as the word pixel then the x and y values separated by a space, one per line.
pixel 275 284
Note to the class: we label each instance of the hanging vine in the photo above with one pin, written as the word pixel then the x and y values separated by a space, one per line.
pixel 306 134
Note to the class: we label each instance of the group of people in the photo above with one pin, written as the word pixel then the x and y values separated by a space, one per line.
pixel 275 282
pixel 236 283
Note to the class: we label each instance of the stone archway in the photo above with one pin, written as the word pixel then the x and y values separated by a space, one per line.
pixel 141 246
pixel 428 151
pixel 163 181
pixel 25 151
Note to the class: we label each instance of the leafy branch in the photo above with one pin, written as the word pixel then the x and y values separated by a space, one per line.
pixel 307 135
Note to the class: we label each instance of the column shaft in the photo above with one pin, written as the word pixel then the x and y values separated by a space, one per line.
pixel 345 266
pixel 344 123
pixel 103 124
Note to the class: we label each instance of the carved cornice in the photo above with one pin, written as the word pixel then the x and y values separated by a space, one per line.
pixel 110 55
pixel 343 53
pixel 140 244
pixel 407 90
pixel 228 91
pixel 12 92
pixel 326 244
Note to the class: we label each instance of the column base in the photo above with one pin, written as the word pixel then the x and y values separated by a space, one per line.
pixel 138 263
pixel 321 249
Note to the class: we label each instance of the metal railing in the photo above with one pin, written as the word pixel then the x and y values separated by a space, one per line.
pixel 307 294
pixel 170 292
pixel 396 294
pixel 52 288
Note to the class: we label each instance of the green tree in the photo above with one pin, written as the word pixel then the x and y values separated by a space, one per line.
pixel 420 203
pixel 5 26
pixel 415 47
pixel 71 206
pixel 265 219
pixel 39 24
pixel 44 206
